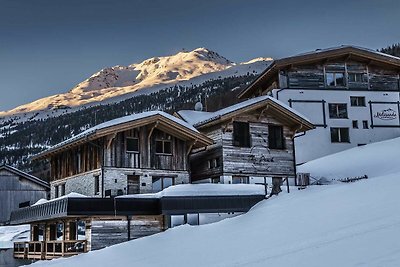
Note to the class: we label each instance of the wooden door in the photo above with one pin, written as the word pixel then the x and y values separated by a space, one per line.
pixel 133 184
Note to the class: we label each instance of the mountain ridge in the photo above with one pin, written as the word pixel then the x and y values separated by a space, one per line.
pixel 115 83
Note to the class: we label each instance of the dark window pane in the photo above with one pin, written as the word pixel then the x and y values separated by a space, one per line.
pixel 357 101
pixel 355 124
pixel 365 124
pixel 338 111
pixel 241 134
pixel 132 145
pixel 275 137
pixel 167 147
pixel 334 134
pixel 339 77
pixel 340 135
pixel 159 147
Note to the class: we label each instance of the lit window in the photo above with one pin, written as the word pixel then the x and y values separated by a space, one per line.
pixel 338 111
pixel 340 135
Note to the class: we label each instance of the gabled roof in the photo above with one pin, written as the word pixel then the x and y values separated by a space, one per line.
pixel 201 119
pixel 159 119
pixel 25 175
pixel 370 55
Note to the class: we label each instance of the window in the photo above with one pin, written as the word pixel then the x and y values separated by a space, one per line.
pixel 340 135
pixel 163 147
pixel 365 124
pixel 62 189
pixel 160 183
pixel 357 77
pixel 132 145
pixel 240 180
pixel 24 204
pixel 355 124
pixel 335 79
pixel 214 163
pixel 241 134
pixel 276 139
pixel 357 101
pixel 56 193
pixel 338 111
pixel 97 185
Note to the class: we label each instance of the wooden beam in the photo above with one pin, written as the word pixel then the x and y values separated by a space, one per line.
pixel 190 147
pixel 111 139
pixel 262 112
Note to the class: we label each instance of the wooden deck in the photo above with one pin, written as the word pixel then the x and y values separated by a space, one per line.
pixel 46 250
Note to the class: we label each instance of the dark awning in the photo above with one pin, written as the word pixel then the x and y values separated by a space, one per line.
pixel 167 205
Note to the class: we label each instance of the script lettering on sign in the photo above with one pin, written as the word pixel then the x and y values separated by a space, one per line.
pixel 386 114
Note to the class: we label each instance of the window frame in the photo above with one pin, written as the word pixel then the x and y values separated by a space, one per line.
pixel 161 178
pixel 334 73
pixel 163 141
pixel 357 102
pixel 138 145
pixel 337 116
pixel 340 138
pixel 277 146
pixel 241 136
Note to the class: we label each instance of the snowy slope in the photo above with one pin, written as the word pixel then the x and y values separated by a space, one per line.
pixel 9 234
pixel 354 224
pixel 374 159
pixel 119 82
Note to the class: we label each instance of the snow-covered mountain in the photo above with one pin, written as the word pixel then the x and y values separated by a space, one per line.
pixel 119 82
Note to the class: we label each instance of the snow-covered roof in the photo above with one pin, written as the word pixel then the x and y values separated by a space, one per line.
pixel 318 54
pixel 195 190
pixel 198 118
pixel 25 175
pixel 119 121
pixel 348 46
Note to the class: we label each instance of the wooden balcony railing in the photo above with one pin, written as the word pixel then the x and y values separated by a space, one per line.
pixel 49 249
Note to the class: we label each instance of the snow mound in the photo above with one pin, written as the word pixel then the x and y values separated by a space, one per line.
pixel 204 190
pixel 9 234
pixel 375 159
pixel 326 226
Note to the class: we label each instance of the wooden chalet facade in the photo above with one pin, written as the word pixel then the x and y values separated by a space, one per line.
pixel 351 94
pixel 253 142
pixel 141 153
pixel 19 189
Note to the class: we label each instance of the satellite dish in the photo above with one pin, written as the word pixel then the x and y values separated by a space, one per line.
pixel 198 106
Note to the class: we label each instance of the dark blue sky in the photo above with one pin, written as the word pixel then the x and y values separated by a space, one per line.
pixel 48 46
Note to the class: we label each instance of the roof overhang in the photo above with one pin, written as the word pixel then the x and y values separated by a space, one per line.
pixel 157 121
pixel 296 122
pixel 267 77
pixel 26 176
pixel 168 205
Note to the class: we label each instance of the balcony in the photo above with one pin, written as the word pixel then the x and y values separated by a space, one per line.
pixel 46 250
